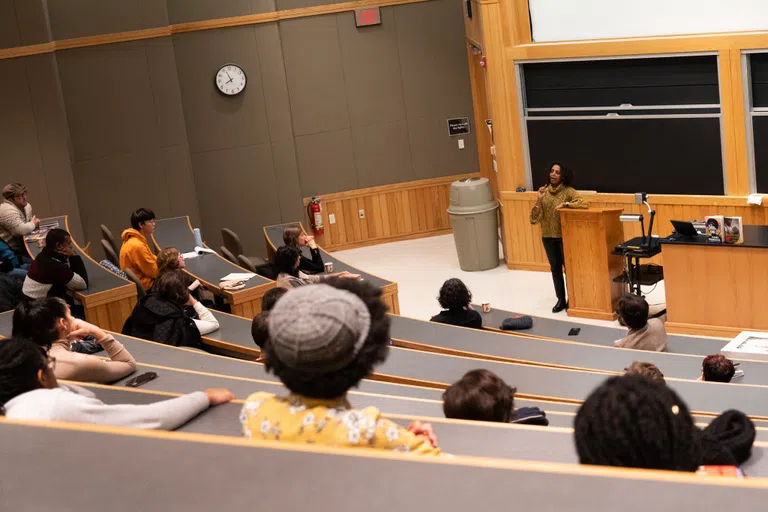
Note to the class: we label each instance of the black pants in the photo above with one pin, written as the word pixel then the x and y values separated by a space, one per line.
pixel 554 249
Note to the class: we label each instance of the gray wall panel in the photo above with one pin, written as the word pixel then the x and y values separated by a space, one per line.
pixel 53 139
pixel 315 74
pixel 382 154
pixel 109 98
pixel 237 187
pixel 166 96
pixel 213 120
pixel 183 11
pixel 288 183
pixel 372 72
pixel 9 29
pixel 283 5
pixel 79 18
pixel 433 59
pixel 20 158
pixel 141 179
pixel 274 81
pixel 32 17
pixel 435 153
pixel 326 162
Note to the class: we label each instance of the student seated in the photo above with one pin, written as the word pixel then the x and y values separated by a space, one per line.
pixel 56 269
pixel 647 370
pixel 29 391
pixel 287 260
pixel 135 253
pixel 454 298
pixel 323 340
pixel 170 259
pixel 633 422
pixel 10 264
pixel 294 236
pixel 481 395
pixel 717 368
pixel 16 218
pixel 160 316
pixel 270 298
pixel 49 323
pixel 644 333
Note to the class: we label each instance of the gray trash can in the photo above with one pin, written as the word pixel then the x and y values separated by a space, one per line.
pixel 475 224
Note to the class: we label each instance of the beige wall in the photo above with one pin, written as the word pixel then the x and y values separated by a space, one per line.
pixel 328 108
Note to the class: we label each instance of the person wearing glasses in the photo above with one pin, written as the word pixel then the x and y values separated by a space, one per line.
pixel 29 391
pixel 16 219
pixel 135 253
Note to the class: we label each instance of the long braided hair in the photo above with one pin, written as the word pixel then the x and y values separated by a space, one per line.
pixel 20 360
pixel 630 421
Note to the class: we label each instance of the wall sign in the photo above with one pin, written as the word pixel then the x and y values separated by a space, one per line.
pixel 367 17
pixel 458 126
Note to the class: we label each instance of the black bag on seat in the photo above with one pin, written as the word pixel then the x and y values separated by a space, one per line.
pixel 516 323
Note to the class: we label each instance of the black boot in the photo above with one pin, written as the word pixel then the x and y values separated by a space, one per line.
pixel 561 305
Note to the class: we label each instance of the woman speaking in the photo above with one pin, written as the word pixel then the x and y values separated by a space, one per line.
pixel 558 194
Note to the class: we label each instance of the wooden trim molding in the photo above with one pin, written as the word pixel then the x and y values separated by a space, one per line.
pixel 194 26
pixel 401 211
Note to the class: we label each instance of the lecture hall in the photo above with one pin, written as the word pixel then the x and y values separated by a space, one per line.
pixel 410 254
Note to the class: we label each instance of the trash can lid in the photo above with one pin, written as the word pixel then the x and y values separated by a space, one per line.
pixel 471 195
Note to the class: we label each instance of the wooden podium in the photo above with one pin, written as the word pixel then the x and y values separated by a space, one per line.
pixel 589 237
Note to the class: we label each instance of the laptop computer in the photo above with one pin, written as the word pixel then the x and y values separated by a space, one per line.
pixel 684 228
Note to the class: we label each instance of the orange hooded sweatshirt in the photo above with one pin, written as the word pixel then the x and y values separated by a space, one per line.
pixel 136 255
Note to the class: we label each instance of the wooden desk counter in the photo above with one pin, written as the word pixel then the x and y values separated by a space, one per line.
pixel 210 268
pixel 717 289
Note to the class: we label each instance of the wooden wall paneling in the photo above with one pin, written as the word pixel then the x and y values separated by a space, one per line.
pixel 519 21
pixel 734 150
pixel 526 253
pixel 392 212
pixel 473 28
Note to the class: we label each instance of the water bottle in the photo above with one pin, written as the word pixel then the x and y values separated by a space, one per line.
pixel 198 237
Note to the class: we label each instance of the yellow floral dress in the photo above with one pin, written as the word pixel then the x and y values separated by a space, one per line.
pixel 298 419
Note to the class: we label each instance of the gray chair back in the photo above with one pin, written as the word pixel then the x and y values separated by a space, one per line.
pixel 139 287
pixel 232 241
pixel 107 235
pixel 246 263
pixel 109 252
pixel 227 254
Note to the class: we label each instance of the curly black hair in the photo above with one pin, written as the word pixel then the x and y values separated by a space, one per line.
pixel 479 395
pixel 454 295
pixel 260 329
pixel 270 298
pixel 633 422
pixel 336 383
pixel 566 173
pixel 285 260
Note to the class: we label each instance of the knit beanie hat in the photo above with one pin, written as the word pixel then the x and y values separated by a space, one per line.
pixel 735 432
pixel 318 328
pixel 13 189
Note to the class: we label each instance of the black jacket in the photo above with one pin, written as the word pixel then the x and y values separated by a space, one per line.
pixel 158 320
pixel 314 265
pixel 463 318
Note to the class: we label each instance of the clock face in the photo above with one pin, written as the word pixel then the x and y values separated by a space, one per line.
pixel 231 79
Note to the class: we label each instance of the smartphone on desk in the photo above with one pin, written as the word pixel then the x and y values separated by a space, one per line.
pixel 140 380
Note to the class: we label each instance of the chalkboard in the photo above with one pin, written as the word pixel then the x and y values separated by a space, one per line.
pixel 658 156
pixel 758 68
pixel 657 81
pixel 760 129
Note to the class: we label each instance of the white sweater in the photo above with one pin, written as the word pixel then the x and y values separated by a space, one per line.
pixel 78 405
pixel 15 224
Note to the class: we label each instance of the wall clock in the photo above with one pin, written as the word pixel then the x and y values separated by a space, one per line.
pixel 230 79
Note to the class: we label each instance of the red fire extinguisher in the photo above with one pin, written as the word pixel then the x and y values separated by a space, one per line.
pixel 315 211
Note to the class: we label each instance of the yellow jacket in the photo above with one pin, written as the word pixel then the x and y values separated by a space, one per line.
pixel 136 255
pixel 298 419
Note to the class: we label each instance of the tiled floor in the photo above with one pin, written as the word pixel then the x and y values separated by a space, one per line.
pixel 420 266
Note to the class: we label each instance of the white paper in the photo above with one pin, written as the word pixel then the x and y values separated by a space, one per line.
pixel 189 255
pixel 201 250
pixel 234 276
pixel 755 199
